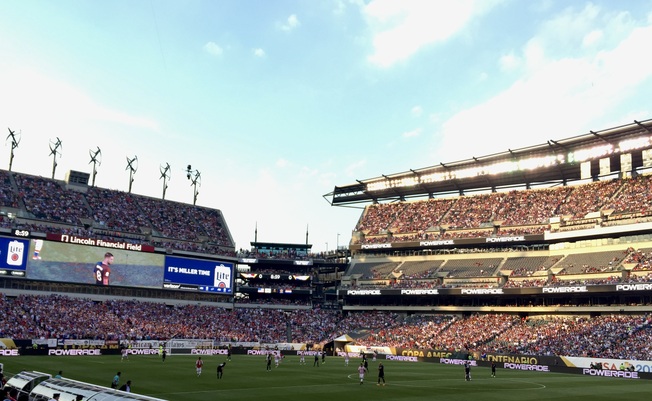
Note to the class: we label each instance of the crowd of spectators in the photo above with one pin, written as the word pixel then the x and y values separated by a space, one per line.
pixel 8 197
pixel 530 207
pixel 50 207
pixel 49 200
pixel 519 212
pixel 56 316
pixel 588 198
pixel 641 258
pixel 606 336
pixel 633 197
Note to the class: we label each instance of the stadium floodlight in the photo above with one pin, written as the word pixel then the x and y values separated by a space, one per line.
pixel 636 143
pixel 55 151
pixel 132 166
pixel 195 181
pixel 96 159
pixel 15 140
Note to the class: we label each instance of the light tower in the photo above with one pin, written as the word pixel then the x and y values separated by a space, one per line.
pixel 195 181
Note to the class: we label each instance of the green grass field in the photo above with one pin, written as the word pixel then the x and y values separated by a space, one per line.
pixel 245 378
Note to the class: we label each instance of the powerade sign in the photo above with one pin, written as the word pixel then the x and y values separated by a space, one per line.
pixel 14 253
pixel 201 275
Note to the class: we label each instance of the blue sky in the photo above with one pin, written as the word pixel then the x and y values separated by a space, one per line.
pixel 276 102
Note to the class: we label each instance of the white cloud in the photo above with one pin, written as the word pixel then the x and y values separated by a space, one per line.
pixel 592 38
pixel 58 103
pixel 282 163
pixel 412 134
pixel 290 24
pixel 509 62
pixel 416 111
pixel 258 52
pixel 213 48
pixel 402 28
pixel 557 97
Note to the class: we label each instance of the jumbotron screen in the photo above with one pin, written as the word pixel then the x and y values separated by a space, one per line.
pixel 66 258
pixel 59 261
pixel 204 275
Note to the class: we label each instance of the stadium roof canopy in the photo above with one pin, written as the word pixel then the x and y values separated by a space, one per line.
pixel 553 162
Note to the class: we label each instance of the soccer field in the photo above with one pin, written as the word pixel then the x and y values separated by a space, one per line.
pixel 245 378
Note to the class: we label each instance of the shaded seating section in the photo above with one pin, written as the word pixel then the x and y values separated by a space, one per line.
pixel 528 265
pixel 171 219
pixel 116 210
pixel 8 195
pixel 49 206
pixel 592 262
pixel 471 267
pixel 371 270
pixel 420 269
pixel 48 200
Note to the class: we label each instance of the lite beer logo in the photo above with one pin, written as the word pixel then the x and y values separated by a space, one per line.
pixel 15 252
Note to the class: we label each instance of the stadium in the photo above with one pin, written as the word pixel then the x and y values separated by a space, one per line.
pixel 536 259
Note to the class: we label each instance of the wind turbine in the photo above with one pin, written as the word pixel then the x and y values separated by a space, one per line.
pixel 165 175
pixel 96 159
pixel 55 151
pixel 132 166
pixel 15 140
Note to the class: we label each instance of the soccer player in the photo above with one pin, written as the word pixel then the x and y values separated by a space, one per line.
pixel 316 363
pixel 277 359
pixel 493 369
pixel 38 245
pixel 220 369
pixel 125 354
pixel 302 359
pixel 269 362
pixel 361 371
pixel 467 371
pixel 346 358
pixel 116 380
pixel 199 364
pixel 102 270
pixel 381 373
